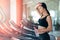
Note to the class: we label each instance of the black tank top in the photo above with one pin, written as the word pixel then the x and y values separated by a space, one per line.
pixel 43 22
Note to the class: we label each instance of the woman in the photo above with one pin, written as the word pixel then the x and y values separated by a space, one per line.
pixel 45 22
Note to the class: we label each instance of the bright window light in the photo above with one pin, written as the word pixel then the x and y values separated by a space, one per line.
pixel 35 16
pixel 13 10
pixel 52 12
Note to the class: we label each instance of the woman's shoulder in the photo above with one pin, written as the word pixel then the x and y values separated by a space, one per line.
pixel 48 17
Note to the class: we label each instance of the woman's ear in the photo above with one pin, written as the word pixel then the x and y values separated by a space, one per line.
pixel 44 9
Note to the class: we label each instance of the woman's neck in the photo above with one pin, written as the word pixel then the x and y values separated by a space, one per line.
pixel 45 13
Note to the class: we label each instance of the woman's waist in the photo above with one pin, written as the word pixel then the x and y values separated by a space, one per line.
pixel 46 33
pixel 41 27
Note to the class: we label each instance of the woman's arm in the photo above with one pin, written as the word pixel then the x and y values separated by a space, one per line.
pixel 49 20
pixel 49 28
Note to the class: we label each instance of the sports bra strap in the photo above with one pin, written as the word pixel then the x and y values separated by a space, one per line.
pixel 47 16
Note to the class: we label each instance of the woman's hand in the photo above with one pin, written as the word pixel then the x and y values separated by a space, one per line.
pixel 40 31
pixel 36 30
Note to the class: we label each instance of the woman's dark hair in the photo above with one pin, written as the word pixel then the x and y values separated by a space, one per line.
pixel 44 6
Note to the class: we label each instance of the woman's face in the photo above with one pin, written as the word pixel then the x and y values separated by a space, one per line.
pixel 40 9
